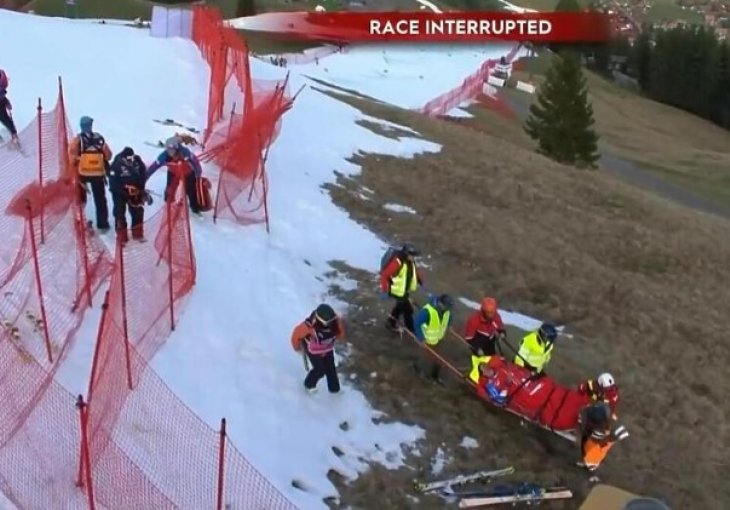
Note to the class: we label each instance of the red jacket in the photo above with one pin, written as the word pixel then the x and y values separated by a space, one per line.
pixel 478 324
pixel 591 388
pixel 391 270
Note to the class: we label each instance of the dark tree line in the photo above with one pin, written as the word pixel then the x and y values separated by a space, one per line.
pixel 686 67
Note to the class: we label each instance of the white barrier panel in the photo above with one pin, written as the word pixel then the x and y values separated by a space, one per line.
pixel 171 22
pixel 503 70
pixel 525 87
pixel 497 82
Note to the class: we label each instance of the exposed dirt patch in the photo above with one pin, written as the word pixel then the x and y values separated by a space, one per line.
pixel 639 281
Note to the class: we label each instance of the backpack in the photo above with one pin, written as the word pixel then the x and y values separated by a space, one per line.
pixel 4 81
pixel 202 193
pixel 389 255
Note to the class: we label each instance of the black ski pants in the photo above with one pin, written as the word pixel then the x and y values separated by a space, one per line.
pixel 7 121
pixel 136 214
pixel 403 307
pixel 482 345
pixel 171 189
pixel 322 366
pixel 98 192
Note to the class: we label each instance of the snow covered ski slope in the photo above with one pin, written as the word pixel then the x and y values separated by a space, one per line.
pixel 230 354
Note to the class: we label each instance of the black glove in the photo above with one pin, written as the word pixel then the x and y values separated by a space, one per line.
pixel 147 198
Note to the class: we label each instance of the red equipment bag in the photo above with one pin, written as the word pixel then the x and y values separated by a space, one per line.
pixel 202 192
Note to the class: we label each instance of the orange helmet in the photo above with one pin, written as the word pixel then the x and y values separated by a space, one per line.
pixel 489 306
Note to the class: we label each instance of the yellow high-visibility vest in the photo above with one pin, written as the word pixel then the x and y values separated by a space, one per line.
pixel 534 352
pixel 398 282
pixel 435 329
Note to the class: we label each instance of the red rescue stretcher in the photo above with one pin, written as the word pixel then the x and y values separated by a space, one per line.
pixel 540 400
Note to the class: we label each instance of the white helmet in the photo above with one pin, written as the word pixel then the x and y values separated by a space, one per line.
pixel 605 380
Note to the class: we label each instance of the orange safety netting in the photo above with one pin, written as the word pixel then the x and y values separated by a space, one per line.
pixel 141 436
pixel 243 120
pixel 49 269
pixel 134 444
pixel 470 88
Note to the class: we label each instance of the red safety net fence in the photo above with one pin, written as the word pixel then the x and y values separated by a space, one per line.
pixel 49 269
pixel 134 444
pixel 470 88
pixel 243 120
pixel 146 448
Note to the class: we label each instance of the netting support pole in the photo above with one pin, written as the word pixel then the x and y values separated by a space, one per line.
pixel 97 347
pixel 85 465
pixel 265 184
pixel 39 284
pixel 125 325
pixel 40 165
pixel 261 173
pixel 221 465
pixel 169 261
pixel 189 239
pixel 225 165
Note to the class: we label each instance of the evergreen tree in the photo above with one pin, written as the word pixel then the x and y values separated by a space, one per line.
pixel 721 88
pixel 561 120
pixel 640 59
pixel 245 8
pixel 565 6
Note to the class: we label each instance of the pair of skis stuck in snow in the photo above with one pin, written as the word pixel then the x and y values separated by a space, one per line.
pixel 171 122
pixel 513 493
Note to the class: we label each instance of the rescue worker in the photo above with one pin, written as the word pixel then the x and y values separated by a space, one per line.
pixel 317 335
pixel 126 184
pixel 89 157
pixel 484 329
pixel 181 164
pixel 597 434
pixel 603 388
pixel 398 279
pixel 431 324
pixel 536 349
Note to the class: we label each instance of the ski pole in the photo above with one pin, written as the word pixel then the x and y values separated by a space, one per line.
pixel 306 360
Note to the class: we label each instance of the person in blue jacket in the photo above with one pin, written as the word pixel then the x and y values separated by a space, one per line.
pixel 431 324
pixel 181 163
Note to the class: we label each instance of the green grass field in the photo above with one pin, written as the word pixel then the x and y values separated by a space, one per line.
pixel 263 44
pixel 676 145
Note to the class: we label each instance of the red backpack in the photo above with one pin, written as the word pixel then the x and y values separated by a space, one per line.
pixel 4 81
pixel 202 192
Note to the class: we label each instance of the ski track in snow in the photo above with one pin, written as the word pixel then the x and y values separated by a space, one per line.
pixel 230 354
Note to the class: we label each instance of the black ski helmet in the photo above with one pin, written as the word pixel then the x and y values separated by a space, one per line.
pixel 547 332
pixel 410 249
pixel 324 313
pixel 446 302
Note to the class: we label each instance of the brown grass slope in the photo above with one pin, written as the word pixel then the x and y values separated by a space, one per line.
pixel 641 281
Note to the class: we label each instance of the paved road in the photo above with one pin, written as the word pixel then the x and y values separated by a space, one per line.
pixel 634 174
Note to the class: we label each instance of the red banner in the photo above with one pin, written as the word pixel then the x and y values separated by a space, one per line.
pixel 538 27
